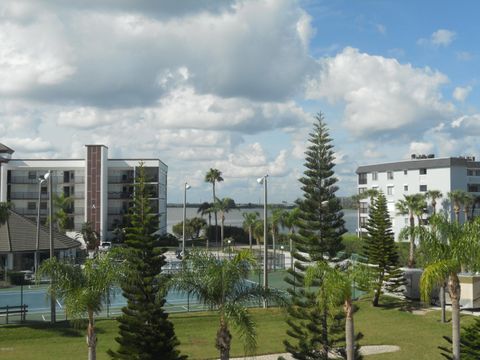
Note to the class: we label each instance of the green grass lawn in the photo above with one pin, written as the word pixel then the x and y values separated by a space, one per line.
pixel 417 335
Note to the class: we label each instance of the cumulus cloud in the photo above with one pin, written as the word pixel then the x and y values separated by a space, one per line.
pixel 29 145
pixel 461 93
pixel 60 53
pixel 441 37
pixel 420 148
pixel 379 93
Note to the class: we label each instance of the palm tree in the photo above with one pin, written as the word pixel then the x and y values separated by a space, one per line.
pixel 258 231
pixel 223 206
pixel 91 238
pixel 249 219
pixel 213 176
pixel 434 195
pixel 82 289
pixel 468 201
pixel 337 286
pixel 63 205
pixel 412 205
pixel 457 198
pixel 449 248
pixel 275 221
pixel 205 208
pixel 221 286
pixel 290 220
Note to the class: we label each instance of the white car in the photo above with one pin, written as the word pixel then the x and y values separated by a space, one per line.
pixel 105 246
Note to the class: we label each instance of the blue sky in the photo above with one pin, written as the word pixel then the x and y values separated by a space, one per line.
pixel 234 84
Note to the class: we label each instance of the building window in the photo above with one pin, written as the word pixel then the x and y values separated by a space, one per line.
pixel 363 221
pixel 405 188
pixel 362 178
pixel 423 188
pixel 31 205
pixel 363 208
pixel 473 187
pixel 477 172
pixel 389 190
pixel 43 190
pixel 405 172
pixel 362 190
pixel 390 175
pixel 32 175
pixel 470 172
pixel 43 205
pixel 423 171
pixel 374 176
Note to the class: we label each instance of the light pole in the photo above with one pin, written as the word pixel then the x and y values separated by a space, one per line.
pixel 263 180
pixel 229 241
pixel 283 255
pixel 185 188
pixel 41 180
pixel 53 313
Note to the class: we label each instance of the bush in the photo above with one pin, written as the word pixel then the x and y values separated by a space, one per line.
pixel 168 240
pixel 17 278
pixel 237 233
pixel 353 244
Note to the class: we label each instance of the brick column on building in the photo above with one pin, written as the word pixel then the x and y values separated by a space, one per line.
pixel 96 187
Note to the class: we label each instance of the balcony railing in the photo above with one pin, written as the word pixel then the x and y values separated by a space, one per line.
pixel 57 180
pixel 120 195
pixel 27 195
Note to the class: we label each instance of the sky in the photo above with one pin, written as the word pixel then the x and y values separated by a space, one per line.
pixel 235 85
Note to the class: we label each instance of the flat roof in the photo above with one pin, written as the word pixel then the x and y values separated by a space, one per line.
pixel 416 164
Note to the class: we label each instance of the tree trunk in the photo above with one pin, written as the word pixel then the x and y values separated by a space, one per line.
pixel 411 254
pixel 349 330
pixel 215 213
pixel 434 206
pixel 274 250
pixel 209 226
pixel 457 213
pixel 454 291
pixel 250 237
pixel 91 337
pixel 224 339
pixel 442 303
pixel 222 219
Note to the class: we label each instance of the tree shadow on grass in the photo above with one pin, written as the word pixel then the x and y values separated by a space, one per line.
pixel 60 328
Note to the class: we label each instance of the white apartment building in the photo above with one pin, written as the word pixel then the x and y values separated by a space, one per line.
pixel 418 175
pixel 101 188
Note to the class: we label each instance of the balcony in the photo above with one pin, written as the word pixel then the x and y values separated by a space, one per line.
pixel 120 195
pixel 27 195
pixel 23 180
pixel 121 179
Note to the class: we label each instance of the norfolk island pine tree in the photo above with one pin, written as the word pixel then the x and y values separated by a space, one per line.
pixel 380 249
pixel 320 228
pixel 145 333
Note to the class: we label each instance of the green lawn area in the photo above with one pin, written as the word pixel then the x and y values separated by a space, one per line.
pixel 417 335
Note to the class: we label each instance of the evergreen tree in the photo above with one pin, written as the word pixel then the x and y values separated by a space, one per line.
pixel 469 343
pixel 145 331
pixel 311 332
pixel 380 249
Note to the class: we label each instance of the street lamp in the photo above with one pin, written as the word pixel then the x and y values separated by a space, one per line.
pixel 283 255
pixel 53 302
pixel 263 180
pixel 185 188
pixel 229 241
pixel 41 180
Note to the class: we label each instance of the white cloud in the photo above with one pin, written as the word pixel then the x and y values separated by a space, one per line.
pixel 441 37
pixel 379 93
pixel 461 93
pixel 420 148
pixel 29 145
pixel 382 29
pixel 464 56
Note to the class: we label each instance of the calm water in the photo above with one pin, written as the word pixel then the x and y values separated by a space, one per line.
pixel 235 218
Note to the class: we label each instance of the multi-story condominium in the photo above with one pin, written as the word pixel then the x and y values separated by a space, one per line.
pixel 418 175
pixel 101 189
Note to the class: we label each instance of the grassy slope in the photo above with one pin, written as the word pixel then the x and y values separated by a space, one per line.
pixel 417 335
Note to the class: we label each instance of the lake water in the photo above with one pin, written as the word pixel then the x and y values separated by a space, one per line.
pixel 235 217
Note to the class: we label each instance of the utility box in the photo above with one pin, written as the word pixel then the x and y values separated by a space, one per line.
pixel 469 290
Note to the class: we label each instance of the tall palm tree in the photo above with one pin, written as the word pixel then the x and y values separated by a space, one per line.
pixel 337 287
pixel 449 248
pixel 290 220
pixel 82 289
pixel 468 201
pixel 205 208
pixel 411 205
pixel 213 176
pixel 433 195
pixel 249 219
pixel 223 206
pixel 275 221
pixel 221 286
pixel 456 198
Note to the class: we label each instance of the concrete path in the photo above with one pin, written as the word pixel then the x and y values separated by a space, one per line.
pixel 364 350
